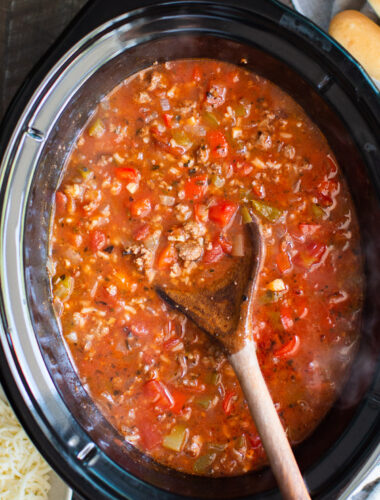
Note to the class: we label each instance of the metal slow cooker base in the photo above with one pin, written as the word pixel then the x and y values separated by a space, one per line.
pixel 36 136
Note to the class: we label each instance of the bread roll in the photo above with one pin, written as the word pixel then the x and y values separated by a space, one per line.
pixel 361 37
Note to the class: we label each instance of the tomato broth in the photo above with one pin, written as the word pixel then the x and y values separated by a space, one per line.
pixel 172 164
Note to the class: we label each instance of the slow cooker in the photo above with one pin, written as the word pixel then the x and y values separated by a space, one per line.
pixel 106 43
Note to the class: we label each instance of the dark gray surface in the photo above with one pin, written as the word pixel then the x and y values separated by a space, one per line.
pixel 27 29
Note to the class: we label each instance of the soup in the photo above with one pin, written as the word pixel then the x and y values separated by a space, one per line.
pixel 159 185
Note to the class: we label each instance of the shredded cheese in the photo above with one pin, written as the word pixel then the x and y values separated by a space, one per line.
pixel 23 472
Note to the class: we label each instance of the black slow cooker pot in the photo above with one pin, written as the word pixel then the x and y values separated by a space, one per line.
pixel 36 137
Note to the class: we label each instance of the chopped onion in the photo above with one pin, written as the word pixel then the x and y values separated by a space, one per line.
pixel 165 106
pixel 151 242
pixel 238 245
pixel 150 274
pixel 168 201
pixel 277 285
pixel 72 337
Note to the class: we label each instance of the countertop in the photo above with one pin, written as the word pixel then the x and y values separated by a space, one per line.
pixel 27 29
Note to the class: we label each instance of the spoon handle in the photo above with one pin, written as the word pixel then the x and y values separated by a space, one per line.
pixel 275 442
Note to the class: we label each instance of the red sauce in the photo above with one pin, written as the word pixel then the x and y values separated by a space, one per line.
pixel 159 184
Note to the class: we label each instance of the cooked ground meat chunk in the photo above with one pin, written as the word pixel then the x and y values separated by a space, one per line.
pixel 195 229
pixel 190 250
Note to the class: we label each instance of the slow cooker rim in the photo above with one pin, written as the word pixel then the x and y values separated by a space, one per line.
pixel 7 373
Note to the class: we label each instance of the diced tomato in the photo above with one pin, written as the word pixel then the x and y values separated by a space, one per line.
pixel 283 262
pixel 167 119
pixel 286 317
pixel 201 212
pixel 97 240
pixel 180 399
pixel 220 246
pixel 157 392
pixel 222 212
pixel 197 75
pixel 214 254
pixel 141 232
pixel 196 187
pixel 225 243
pixel 255 440
pixel 218 144
pixel 311 254
pixel 228 401
pixel 150 436
pixel 152 390
pixel 167 257
pixel 216 94
pixel 308 229
pixel 60 201
pixel 141 208
pixel 128 174
pixel 289 349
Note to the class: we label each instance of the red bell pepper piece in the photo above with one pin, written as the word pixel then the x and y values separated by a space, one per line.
pixel 214 254
pixel 218 144
pixel 167 119
pixel 157 392
pixel 255 440
pixel 222 212
pixel 180 399
pixel 128 174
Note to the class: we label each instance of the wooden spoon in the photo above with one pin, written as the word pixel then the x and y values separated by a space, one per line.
pixel 224 310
